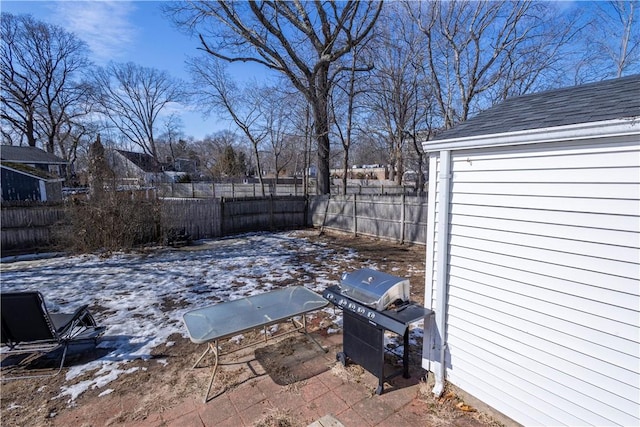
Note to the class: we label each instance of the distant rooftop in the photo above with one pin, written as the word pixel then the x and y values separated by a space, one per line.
pixel 16 154
pixel 592 102
pixel 144 161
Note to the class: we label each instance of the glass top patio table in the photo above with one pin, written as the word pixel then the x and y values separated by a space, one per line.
pixel 229 318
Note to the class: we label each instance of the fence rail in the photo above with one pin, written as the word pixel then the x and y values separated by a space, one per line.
pixel 400 218
pixel 208 190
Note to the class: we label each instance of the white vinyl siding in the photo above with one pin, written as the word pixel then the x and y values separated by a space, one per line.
pixel 543 311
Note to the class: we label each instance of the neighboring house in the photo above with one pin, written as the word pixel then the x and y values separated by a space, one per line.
pixel 139 169
pixel 29 173
pixel 378 172
pixel 533 256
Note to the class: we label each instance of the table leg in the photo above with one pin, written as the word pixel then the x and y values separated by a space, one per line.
pixel 303 327
pixel 213 347
pixel 195 365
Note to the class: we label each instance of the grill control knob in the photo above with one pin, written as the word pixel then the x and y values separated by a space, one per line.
pixel 342 301
pixel 361 310
pixel 330 296
pixel 371 315
pixel 352 306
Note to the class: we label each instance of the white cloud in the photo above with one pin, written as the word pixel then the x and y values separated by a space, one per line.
pixel 104 25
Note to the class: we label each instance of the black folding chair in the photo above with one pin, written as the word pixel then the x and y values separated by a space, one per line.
pixel 28 327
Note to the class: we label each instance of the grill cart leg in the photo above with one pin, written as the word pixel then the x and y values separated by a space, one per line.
pixel 405 355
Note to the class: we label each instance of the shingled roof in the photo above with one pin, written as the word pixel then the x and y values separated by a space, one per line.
pixel 605 100
pixel 31 155
pixel 142 160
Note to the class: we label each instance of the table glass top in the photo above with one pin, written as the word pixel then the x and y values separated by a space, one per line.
pixel 229 318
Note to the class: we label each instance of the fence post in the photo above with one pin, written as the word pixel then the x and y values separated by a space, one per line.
pixel 355 216
pixel 402 218
pixel 271 221
pixel 222 216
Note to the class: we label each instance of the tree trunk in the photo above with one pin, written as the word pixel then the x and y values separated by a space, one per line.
pixel 30 131
pixel 323 185
pixel 321 115
pixel 345 169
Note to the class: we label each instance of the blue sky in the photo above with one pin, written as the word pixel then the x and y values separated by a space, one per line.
pixel 124 31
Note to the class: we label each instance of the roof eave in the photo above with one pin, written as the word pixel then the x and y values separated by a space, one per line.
pixel 41 178
pixel 590 130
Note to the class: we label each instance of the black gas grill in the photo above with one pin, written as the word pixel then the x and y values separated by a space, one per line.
pixel 374 302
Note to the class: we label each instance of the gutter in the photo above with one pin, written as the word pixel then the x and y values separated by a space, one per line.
pixel 605 129
pixel 444 180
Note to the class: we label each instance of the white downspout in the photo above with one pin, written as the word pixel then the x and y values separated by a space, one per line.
pixel 444 180
pixel 43 190
pixel 429 341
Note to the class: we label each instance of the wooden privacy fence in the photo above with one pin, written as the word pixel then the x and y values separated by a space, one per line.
pixel 196 217
pixel 203 218
pixel 34 228
pixel 400 218
pixel 30 227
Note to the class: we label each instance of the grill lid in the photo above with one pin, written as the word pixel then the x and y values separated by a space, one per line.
pixel 374 288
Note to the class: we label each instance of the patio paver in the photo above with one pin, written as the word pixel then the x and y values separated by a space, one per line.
pixel 315 398
pixel 321 394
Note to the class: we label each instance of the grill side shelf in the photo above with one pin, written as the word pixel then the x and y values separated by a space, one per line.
pixel 392 320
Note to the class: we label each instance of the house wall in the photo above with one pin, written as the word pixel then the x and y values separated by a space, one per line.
pixel 542 272
pixel 17 186
pixel 123 168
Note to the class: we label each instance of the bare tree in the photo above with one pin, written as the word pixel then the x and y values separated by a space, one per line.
pixel 345 101
pixel 300 40
pixel 132 98
pixel 41 93
pixel 222 155
pixel 479 53
pixel 275 109
pixel 612 41
pixel 75 139
pixel 299 114
pixel 171 136
pixel 399 97
pixel 217 91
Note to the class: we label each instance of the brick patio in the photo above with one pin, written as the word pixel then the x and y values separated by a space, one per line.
pixel 320 396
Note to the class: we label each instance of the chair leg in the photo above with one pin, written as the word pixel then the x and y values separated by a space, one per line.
pixel 62 359
pixel 31 358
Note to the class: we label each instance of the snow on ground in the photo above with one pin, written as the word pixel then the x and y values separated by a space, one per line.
pixel 141 298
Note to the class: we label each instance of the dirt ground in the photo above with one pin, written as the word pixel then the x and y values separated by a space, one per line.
pixel 156 386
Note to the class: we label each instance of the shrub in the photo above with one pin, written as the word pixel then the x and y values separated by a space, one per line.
pixel 111 221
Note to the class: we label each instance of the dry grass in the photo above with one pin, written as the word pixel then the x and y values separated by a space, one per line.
pixel 278 418
pixel 446 409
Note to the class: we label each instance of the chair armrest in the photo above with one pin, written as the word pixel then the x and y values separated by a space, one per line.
pixel 64 322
